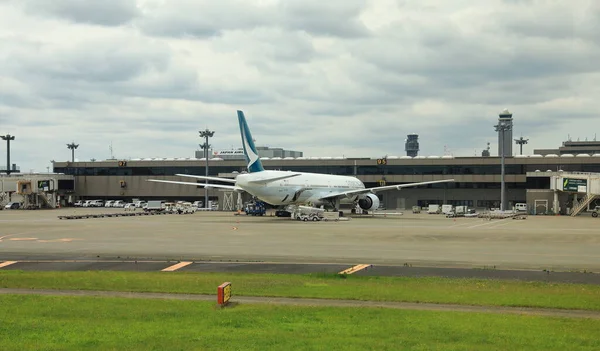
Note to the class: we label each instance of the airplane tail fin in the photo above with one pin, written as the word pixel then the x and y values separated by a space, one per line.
pixel 254 164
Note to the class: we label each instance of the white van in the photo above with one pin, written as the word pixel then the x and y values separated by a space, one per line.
pixel 447 209
pixel 521 207
pixel 434 209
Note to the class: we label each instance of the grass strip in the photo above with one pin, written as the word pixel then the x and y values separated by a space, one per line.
pixel 87 323
pixel 429 289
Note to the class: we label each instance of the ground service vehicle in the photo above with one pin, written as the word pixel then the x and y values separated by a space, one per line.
pixel 257 208
pixel 595 211
pixel 434 209
pixel 520 207
pixel 447 209
pixel 156 206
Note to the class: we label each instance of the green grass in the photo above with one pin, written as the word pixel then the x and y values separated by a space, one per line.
pixel 433 290
pixel 87 323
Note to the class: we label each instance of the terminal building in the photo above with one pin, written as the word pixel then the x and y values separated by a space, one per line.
pixel 572 148
pixel 477 179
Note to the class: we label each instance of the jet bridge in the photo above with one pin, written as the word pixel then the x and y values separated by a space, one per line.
pixel 583 186
pixel 35 191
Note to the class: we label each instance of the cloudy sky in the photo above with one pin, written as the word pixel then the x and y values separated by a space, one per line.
pixel 330 78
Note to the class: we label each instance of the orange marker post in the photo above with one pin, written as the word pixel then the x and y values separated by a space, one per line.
pixel 224 294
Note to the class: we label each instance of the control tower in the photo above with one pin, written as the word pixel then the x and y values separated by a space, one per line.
pixel 505 122
pixel 412 145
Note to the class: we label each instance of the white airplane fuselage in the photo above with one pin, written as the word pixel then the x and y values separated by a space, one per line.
pixel 301 189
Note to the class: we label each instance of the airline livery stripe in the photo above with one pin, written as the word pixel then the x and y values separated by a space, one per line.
pixel 176 266
pixel 7 263
pixel 355 269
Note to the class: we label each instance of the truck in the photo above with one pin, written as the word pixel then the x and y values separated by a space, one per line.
pixel 256 208
pixel 155 206
pixel 307 213
pixel 595 211
pixel 447 209
pixel 461 210
pixel 434 209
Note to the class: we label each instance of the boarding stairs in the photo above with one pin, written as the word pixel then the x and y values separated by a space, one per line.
pixel 583 204
pixel 47 200
pixel 35 201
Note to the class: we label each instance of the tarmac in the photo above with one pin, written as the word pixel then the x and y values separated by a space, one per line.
pixel 551 248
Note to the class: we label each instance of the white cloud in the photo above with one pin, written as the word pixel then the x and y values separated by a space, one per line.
pixel 328 78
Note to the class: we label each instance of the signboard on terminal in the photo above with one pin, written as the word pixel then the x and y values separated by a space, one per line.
pixel 229 152
pixel 44 185
pixel 575 185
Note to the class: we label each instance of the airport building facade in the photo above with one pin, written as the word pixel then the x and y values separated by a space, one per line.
pixel 477 179
pixel 238 154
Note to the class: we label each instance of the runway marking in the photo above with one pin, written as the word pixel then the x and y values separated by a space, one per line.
pixel 489 223
pixel 7 263
pixel 22 239
pixel 355 269
pixel 499 225
pixel 176 266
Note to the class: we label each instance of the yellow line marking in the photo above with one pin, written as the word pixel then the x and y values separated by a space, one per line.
pixel 176 266
pixel 7 263
pixel 355 269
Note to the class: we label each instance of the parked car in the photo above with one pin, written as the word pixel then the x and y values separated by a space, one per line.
pixel 108 203
pixel 96 203
pixel 595 211
pixel 12 206
pixel 118 203
pixel 78 203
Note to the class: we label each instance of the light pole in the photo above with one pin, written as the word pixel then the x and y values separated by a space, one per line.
pixel 72 147
pixel 521 142
pixel 206 146
pixel 8 138
pixel 502 127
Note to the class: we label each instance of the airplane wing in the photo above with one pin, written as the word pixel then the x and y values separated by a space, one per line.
pixel 219 186
pixel 226 180
pixel 351 193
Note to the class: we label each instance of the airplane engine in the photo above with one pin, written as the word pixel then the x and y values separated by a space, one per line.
pixel 369 203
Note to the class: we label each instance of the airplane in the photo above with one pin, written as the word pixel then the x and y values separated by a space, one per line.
pixel 284 188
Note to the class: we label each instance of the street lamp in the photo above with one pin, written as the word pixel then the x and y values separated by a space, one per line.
pixel 72 147
pixel 521 142
pixel 206 134
pixel 502 126
pixel 8 138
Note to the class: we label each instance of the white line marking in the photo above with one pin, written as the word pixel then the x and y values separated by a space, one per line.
pixel 490 222
pixel 176 266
